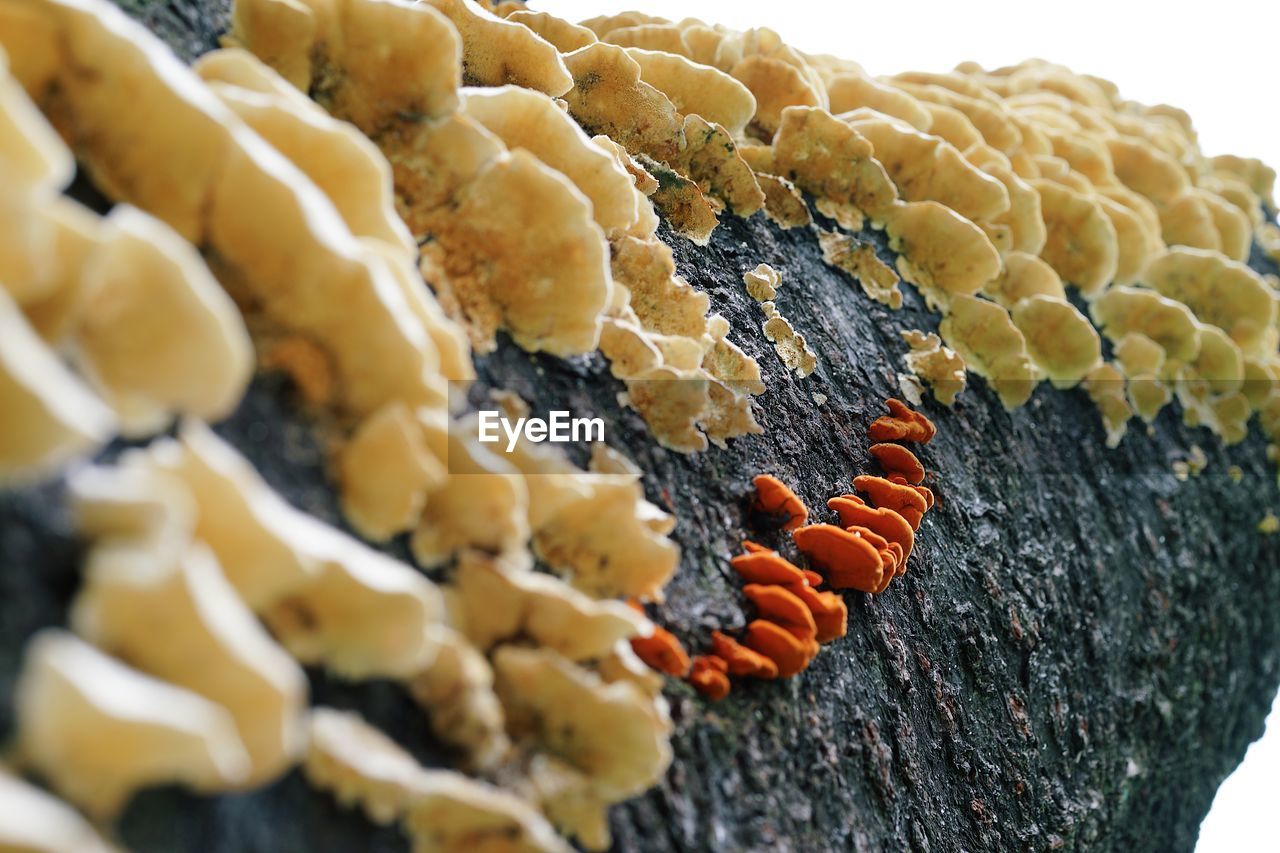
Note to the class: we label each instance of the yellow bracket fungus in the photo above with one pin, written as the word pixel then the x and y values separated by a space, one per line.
pixel 1220 291
pixel 496 52
pixel 697 89
pixel 940 251
pixel 98 730
pixel 826 157
pixel 1081 243
pixel 992 346
pixel 33 821
pixel 1061 341
pixel 1124 309
pixel 858 259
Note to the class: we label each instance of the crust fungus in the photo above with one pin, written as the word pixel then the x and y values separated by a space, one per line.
pixel 992 346
pixel 940 366
pixel 1060 340
pixel 940 251
pixel 858 259
pixel 98 731
pixel 824 156
pixel 775 498
pixel 1082 245
pixel 32 821
pixel 51 417
pixel 710 677
pixel 762 282
pixel 850 561
pixel 791 347
pixel 1220 291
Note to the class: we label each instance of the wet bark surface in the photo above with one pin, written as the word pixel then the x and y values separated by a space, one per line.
pixel 1081 650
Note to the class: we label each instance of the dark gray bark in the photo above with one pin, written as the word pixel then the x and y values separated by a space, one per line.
pixel 1081 651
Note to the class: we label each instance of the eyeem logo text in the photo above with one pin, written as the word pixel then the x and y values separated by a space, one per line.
pixel 560 427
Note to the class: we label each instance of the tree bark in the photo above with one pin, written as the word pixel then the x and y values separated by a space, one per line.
pixel 1082 649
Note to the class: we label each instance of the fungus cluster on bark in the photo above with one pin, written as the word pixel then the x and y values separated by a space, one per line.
pixel 364 193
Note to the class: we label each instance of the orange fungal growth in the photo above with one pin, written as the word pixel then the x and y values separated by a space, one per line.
pixel 753 547
pixel 829 611
pixel 853 511
pixel 786 650
pixel 902 424
pixel 709 676
pixel 887 494
pixel 662 651
pixel 815 580
pixel 766 567
pixel 779 605
pixel 851 562
pixel 742 660
pixel 896 459
pixel 775 498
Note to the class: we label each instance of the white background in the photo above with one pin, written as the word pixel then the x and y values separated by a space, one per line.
pixel 1217 59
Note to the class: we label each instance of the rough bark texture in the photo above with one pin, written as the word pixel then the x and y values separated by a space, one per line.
pixel 1081 651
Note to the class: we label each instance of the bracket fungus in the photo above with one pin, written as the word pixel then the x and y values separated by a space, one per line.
pixel 1124 309
pixel 896 459
pixel 36 822
pixel 775 498
pixel 496 52
pixel 1081 244
pixel 992 346
pixel 51 417
pixel 697 89
pixel 902 424
pixel 824 156
pixel 1061 341
pixel 850 561
pixel 940 251
pixel 98 730
pixel 710 677
pixel 1219 291
pixel 440 811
